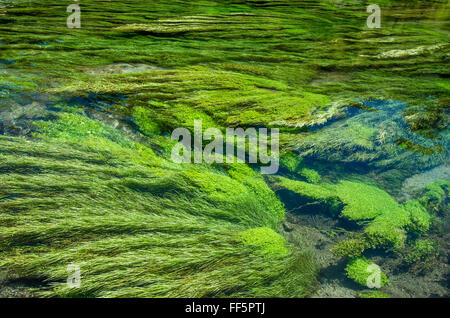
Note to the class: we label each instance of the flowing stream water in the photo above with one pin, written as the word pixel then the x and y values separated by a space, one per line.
pixel 86 116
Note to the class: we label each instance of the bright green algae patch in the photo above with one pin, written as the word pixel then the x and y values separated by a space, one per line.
pixel 422 250
pixel 364 201
pixel 272 243
pixel 360 271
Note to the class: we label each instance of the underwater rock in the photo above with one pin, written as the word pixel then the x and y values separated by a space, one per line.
pixel 421 180
pixel 229 25
pixel 17 120
pixel 411 52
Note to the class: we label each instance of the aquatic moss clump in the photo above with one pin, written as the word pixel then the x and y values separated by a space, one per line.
pixel 422 251
pixel 388 219
pixel 359 201
pixel 301 194
pixel 270 242
pixel 363 201
pixel 360 269
pixel 434 196
pixel 294 164
pixel 291 162
pixel 388 230
pixel 350 247
pixel 142 118
pixel 420 218
pixel 310 175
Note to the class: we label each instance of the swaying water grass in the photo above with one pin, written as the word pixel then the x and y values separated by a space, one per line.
pixel 136 224
pixel 91 182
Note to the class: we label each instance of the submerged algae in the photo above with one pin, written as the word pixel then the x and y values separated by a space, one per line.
pixel 359 270
pixel 166 236
pixel 268 240
pixel 385 221
pixel 378 138
pixel 167 230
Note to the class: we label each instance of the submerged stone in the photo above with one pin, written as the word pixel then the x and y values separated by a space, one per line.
pixel 123 68
pixel 419 181
pixel 411 52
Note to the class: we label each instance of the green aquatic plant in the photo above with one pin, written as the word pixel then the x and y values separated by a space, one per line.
pixel 291 162
pixel 294 163
pixel 363 201
pixel 142 118
pixel 388 230
pixel 386 222
pixel 270 242
pixel 391 145
pixel 171 234
pixel 350 247
pixel 373 294
pixel 422 251
pixel 79 191
pixel 227 98
pixel 310 175
pixel 304 194
pixel 435 195
pixel 359 270
pixel 420 219
pixel 76 128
